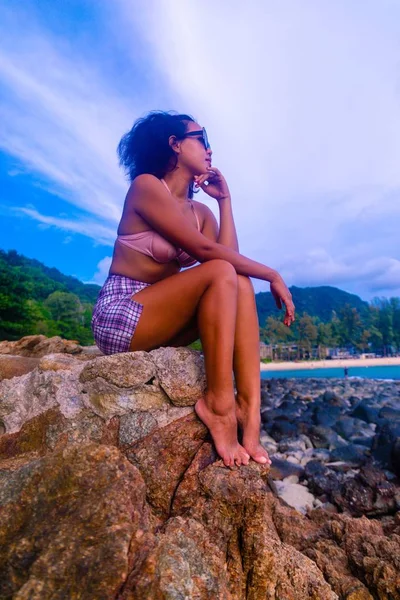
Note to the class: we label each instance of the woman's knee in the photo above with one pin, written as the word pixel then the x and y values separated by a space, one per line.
pixel 222 270
pixel 245 284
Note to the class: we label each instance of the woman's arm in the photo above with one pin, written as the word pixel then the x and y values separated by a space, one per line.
pixel 156 206
pixel 218 188
pixel 227 231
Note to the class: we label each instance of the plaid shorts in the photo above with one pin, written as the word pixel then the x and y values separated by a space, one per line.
pixel 115 314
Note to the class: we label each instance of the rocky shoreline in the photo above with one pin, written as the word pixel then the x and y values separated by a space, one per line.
pixel 334 443
pixel 110 488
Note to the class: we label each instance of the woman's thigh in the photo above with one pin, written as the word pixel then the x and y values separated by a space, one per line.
pixel 170 305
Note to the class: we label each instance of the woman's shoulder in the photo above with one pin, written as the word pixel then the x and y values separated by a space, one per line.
pixel 204 213
pixel 144 181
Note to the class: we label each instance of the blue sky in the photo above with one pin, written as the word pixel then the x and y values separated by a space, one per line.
pixel 301 100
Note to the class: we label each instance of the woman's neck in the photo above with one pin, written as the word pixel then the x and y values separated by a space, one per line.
pixel 178 185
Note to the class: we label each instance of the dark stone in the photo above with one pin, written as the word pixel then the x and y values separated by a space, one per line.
pixel 389 413
pixel 368 493
pixel 385 446
pixel 345 426
pixel 331 398
pixel 283 468
pixel 326 415
pixel 362 440
pixel 282 428
pixel 367 412
pixel 351 454
pixel 324 437
pixel 321 479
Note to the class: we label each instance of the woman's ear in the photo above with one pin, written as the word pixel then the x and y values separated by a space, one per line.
pixel 174 143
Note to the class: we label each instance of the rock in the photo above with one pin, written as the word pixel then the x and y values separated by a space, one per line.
pixel 56 516
pixel 324 437
pixel 326 415
pixel 367 493
pixel 181 374
pixel 281 469
pixel 109 491
pixel 116 384
pixel 292 445
pixel 367 411
pixel 295 495
pixel 27 396
pixel 389 413
pixel 352 454
pixel 39 345
pixel 385 446
pixel 14 366
pixel 321 479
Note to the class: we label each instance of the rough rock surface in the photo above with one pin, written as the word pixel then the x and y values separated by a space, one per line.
pixel 109 491
pixel 39 345
pixel 14 366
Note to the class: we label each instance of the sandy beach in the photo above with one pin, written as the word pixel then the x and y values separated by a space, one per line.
pixel 330 364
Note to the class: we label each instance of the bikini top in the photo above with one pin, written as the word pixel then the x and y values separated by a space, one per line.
pixel 152 244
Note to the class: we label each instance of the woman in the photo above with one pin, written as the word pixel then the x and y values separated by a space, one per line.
pixel 148 302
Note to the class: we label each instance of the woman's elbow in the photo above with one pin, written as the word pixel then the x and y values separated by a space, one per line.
pixel 209 250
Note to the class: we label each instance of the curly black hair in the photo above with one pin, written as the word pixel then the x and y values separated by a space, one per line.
pixel 145 148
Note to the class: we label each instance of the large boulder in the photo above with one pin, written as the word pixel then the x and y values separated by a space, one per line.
pixel 110 488
pixel 39 345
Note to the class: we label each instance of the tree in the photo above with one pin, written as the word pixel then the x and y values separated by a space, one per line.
pixel 307 332
pixel 65 306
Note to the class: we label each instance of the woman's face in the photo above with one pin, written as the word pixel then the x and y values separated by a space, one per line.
pixel 193 154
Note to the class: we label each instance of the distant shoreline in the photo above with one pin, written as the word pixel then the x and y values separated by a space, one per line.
pixel 330 364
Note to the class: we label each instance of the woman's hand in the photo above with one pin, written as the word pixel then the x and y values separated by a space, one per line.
pixel 213 183
pixel 281 295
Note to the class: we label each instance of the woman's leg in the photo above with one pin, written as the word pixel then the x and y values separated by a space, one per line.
pixel 209 293
pixel 246 366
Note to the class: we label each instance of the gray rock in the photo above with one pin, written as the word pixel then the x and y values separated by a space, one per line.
pixel 181 374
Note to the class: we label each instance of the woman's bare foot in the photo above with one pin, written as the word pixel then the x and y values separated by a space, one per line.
pixel 223 430
pixel 249 422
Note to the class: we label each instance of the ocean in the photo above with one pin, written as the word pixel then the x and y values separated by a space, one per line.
pixel 388 372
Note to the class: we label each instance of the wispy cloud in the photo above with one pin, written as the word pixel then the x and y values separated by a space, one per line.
pixel 302 105
pixel 100 233
pixel 301 101
pixel 62 121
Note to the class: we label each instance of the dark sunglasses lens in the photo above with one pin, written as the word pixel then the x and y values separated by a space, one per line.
pixel 205 140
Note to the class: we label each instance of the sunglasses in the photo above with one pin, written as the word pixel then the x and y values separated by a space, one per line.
pixel 203 134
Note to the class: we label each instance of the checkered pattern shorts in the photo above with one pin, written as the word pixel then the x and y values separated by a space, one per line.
pixel 116 315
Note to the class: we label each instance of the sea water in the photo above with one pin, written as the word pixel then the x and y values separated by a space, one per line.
pixel 387 372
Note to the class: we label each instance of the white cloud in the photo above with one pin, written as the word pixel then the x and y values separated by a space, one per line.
pixel 101 273
pixel 100 233
pixel 301 100
pixel 302 105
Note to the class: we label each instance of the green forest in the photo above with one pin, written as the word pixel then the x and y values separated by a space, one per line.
pixel 35 299
pixel 327 317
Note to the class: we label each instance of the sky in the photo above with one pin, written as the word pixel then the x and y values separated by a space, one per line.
pixel 300 98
